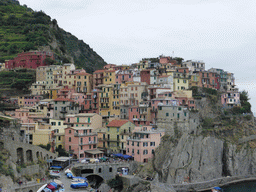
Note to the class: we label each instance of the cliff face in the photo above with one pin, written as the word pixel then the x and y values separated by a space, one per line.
pixel 194 157
pixel 198 158
pixel 215 144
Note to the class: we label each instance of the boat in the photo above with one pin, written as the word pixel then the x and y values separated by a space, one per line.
pixel 217 189
pixel 54 186
pixel 70 175
pixel 79 182
pixel 67 171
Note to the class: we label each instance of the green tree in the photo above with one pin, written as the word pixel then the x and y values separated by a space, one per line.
pixel 245 105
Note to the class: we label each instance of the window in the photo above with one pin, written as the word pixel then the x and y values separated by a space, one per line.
pixel 138 151
pixel 132 151
pixel 110 169
pixel 138 144
pixel 69 131
pixel 69 139
pixel 167 114
pixel 145 152
pixel 59 123
pixel 153 151
pixel 117 129
pixel 145 144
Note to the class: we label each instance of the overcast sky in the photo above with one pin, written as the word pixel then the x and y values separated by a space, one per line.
pixel 222 33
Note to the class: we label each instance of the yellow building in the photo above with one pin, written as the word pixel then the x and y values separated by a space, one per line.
pixel 194 80
pixel 132 93
pixel 109 77
pixel 109 100
pixel 117 133
pixel 83 82
pixel 41 136
pixel 102 139
pixel 105 98
pixel 180 81
pixel 142 65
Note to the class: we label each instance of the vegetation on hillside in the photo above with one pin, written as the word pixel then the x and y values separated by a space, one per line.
pixel 22 29
pixel 18 79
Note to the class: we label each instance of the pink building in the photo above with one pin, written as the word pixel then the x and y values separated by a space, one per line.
pixel 124 76
pixel 82 142
pixel 141 146
pixel 209 79
pixel 29 100
pixel 230 99
pixel 31 60
pixel 139 115
pixel 164 59
pixel 108 66
pixel 78 98
pixel 22 114
pixel 65 93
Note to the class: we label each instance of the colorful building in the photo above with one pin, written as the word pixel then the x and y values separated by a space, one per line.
pixel 92 120
pixel 117 134
pixel 82 142
pixel 143 143
pixel 29 60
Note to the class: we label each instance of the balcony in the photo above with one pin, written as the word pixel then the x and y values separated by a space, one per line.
pixel 88 143
pixel 125 133
pixel 84 134
pixel 63 111
pixel 114 140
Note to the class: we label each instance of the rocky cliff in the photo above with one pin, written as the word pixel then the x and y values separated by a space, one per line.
pixel 222 145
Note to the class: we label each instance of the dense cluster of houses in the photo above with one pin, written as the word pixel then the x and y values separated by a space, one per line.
pixel 119 109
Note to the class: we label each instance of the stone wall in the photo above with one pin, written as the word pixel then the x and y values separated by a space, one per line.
pixel 28 152
pixel 30 170
pixel 105 170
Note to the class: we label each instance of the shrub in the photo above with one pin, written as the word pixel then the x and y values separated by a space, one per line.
pixel 207 123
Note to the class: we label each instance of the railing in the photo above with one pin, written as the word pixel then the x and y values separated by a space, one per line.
pixel 84 134
pixel 88 143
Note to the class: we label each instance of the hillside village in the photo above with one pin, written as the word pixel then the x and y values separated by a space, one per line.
pixel 123 109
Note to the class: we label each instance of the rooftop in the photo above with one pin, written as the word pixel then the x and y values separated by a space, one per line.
pixel 117 123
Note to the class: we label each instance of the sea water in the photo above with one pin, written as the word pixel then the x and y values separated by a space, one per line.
pixel 241 187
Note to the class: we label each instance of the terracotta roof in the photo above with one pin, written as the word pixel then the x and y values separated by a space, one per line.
pixel 110 71
pixel 63 99
pixel 117 123
pixel 100 71
pixel 83 73
pixel 162 76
